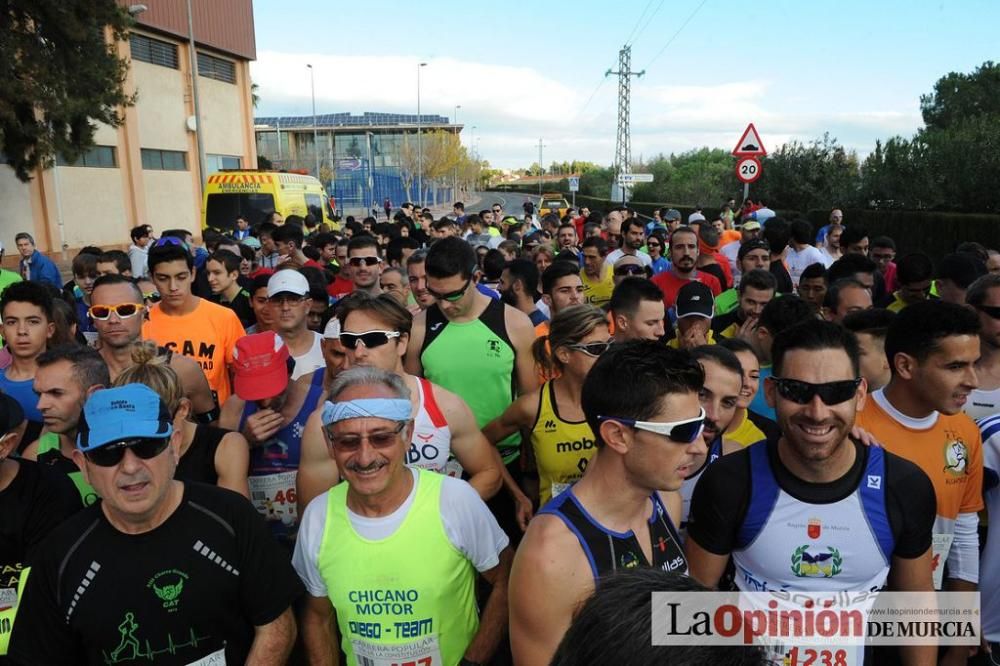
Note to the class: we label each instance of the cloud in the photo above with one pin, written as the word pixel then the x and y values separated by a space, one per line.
pixel 512 106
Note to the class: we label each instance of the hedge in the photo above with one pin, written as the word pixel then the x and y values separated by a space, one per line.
pixel 936 233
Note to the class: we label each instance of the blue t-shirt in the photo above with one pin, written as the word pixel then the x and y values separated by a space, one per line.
pixel 23 391
pixel 660 265
pixel 759 403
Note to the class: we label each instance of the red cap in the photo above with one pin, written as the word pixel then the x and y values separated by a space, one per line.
pixel 261 363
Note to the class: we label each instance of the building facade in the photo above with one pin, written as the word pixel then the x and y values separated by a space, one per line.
pixel 363 159
pixel 147 170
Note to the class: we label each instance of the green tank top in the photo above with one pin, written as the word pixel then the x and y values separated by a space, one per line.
pixel 49 453
pixel 726 301
pixel 9 611
pixel 474 360
pixel 413 601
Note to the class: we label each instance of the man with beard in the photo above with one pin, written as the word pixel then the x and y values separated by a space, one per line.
pixel 633 238
pixel 750 256
pixel 683 257
pixel 814 491
pixel 416 277
pixel 750 231
pixel 719 397
pixel 518 286
pixel 756 290
pixel 366 264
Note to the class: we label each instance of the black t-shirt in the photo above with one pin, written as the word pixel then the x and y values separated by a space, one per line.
pixel 780 274
pixel 240 305
pixel 723 321
pixel 721 497
pixel 195 586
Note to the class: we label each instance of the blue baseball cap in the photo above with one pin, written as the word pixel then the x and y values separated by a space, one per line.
pixel 126 412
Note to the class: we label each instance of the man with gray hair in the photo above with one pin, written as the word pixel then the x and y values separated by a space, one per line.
pixel 389 516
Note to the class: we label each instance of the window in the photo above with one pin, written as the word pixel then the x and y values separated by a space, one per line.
pixel 215 163
pixel 314 204
pixel 98 156
pixel 216 68
pixel 155 51
pixel 164 160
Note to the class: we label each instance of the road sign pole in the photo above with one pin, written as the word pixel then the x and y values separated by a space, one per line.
pixel 746 191
pixel 574 198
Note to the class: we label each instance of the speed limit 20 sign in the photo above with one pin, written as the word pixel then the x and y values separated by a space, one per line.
pixel 748 169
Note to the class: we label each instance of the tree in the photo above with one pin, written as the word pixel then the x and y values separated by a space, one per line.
pixel 958 97
pixel 408 164
pixel 61 78
pixel 817 175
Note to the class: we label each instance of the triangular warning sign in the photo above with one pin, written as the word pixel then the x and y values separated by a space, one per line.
pixel 749 144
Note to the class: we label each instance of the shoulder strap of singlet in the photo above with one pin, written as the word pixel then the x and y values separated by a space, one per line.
pixel 494 319
pixel 430 404
pixel 764 493
pixel 661 516
pixel 564 507
pixel 434 325
pixel 872 492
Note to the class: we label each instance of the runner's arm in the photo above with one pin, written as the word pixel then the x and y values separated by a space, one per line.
pixel 319 623
pixel 412 362
pixel 517 416
pixel 272 642
pixel 493 622
pixel 549 578
pixel 317 470
pixel 232 460
pixel 195 384
pixel 473 452
pixel 915 575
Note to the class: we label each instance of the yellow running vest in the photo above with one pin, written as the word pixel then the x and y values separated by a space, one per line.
pixel 562 448
pixel 409 598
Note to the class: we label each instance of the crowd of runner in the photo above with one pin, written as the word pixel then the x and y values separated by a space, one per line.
pixel 485 438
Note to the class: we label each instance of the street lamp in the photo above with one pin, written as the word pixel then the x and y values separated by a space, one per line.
pixel 194 96
pixel 420 147
pixel 312 85
pixel 459 140
pixel 472 141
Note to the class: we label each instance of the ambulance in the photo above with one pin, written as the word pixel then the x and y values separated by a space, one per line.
pixel 254 195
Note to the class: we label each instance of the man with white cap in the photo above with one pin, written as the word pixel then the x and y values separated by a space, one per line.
pixel 289 301
pixel 390 516
pixel 271 412
pixel 158 569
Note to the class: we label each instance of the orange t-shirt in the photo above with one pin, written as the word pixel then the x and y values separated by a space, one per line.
pixel 208 335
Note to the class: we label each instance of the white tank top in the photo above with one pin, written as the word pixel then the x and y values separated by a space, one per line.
pixel 430 446
pixel 983 404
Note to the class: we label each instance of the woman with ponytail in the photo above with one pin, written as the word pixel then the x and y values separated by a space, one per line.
pixel 207 454
pixel 561 440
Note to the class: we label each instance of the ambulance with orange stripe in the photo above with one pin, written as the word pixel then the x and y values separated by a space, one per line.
pixel 254 195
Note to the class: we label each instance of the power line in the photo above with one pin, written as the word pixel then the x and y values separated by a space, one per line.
pixel 648 22
pixel 671 40
pixel 638 22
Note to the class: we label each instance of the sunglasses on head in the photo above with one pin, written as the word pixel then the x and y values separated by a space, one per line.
pixel 379 440
pixel 802 393
pixel 152 297
pixel 450 296
pixel 363 261
pixel 370 339
pixel 112 454
pixel 630 269
pixel 681 432
pixel 170 240
pixel 123 310
pixel 591 348
pixel 989 310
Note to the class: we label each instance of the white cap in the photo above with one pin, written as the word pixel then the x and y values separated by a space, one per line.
pixel 695 217
pixel 287 281
pixel 332 330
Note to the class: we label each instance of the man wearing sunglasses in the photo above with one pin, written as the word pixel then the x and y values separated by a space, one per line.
pixel 365 262
pixel 289 301
pixel 932 348
pixel 186 324
pixel 683 259
pixel 623 512
pixel 446 439
pixel 422 539
pixel 473 346
pixel 814 510
pixel 157 561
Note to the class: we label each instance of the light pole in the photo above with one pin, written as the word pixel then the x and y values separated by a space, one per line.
pixel 455 185
pixel 540 168
pixel 420 147
pixel 472 142
pixel 194 96
pixel 312 86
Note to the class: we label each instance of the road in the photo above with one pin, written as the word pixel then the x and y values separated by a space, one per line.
pixel 512 201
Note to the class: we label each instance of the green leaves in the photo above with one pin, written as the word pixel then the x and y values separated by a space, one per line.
pixel 61 77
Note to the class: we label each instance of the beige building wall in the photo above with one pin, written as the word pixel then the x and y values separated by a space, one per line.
pixel 17 210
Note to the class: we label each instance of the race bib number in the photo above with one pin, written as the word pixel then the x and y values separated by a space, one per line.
pixel 217 658
pixel 8 598
pixel 425 652
pixel 453 469
pixel 940 547
pixel 274 496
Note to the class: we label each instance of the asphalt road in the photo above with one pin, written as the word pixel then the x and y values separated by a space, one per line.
pixel 512 201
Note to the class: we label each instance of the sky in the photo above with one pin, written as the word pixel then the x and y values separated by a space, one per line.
pixel 524 71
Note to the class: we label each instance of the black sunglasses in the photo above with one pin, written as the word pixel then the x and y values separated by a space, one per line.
pixel 630 269
pixel 370 339
pixel 112 454
pixel 802 393
pixel 991 311
pixel 451 296
pixel 367 261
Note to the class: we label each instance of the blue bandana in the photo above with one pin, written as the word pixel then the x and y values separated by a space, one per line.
pixel 393 409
